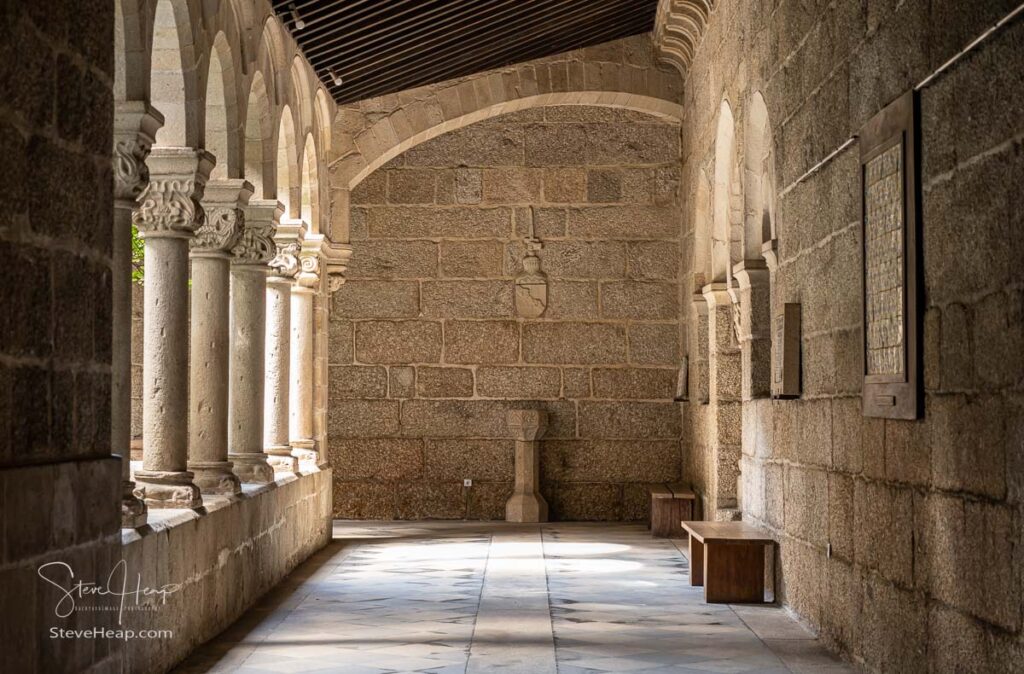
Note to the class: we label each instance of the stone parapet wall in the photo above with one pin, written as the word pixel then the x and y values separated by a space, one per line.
pixel 224 560
pixel 427 353
pixel 901 541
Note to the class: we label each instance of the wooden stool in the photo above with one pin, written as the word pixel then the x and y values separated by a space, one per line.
pixel 670 505
pixel 727 558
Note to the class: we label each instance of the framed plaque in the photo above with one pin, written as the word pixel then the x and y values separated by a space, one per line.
pixel 890 206
pixel 786 359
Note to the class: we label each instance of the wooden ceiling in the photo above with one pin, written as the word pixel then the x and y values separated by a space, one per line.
pixel 383 46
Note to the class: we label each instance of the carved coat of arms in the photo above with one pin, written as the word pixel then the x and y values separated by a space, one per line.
pixel 531 292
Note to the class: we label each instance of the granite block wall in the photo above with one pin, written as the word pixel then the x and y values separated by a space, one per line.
pixel 901 541
pixel 427 353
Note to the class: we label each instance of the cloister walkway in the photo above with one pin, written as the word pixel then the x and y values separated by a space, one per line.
pixel 479 597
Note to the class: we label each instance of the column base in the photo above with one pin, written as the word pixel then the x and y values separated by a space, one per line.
pixel 282 460
pixel 526 507
pixel 252 467
pixel 215 478
pixel 168 489
pixel 133 509
pixel 304 452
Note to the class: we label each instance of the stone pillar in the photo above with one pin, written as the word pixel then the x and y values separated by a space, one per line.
pixel 283 267
pixel 724 389
pixel 527 504
pixel 304 291
pixel 135 127
pixel 167 218
pixel 754 328
pixel 209 340
pixel 255 248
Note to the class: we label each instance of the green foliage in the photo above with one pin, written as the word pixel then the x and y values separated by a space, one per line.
pixel 138 256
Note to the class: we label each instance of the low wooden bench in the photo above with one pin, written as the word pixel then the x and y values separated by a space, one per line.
pixel 670 505
pixel 727 558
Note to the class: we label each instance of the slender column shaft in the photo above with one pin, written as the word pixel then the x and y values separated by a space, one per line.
pixel 135 125
pixel 167 218
pixel 527 504
pixel 248 333
pixel 210 336
pixel 301 389
pixel 276 398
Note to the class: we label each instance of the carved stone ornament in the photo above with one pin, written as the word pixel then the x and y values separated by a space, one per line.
pixel 221 230
pixel 334 282
pixel 256 244
pixel 286 262
pixel 168 207
pixel 531 291
pixel 309 275
pixel 130 171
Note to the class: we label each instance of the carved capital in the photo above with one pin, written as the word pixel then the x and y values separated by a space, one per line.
pixel 168 208
pixel 130 171
pixel 220 231
pixel 286 263
pixel 255 245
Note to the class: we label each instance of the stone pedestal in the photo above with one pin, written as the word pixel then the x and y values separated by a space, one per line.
pixel 527 504
pixel 167 217
pixel 254 250
pixel 283 267
pixel 301 390
pixel 754 328
pixel 135 127
pixel 211 268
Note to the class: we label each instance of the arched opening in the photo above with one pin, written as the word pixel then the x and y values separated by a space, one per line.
pixel 757 180
pixel 287 181
pixel 221 111
pixel 172 87
pixel 309 209
pixel 258 134
pixel 722 254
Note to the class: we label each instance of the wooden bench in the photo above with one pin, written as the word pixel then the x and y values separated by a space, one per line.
pixel 670 505
pixel 727 558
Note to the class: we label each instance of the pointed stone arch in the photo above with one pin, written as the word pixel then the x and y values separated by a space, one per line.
pixel 221 129
pixel 309 199
pixel 287 175
pixel 259 134
pixel 724 240
pixel 174 87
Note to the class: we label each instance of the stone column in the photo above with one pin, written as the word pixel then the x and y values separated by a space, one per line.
pixel 527 504
pixel 754 328
pixel 135 127
pixel 208 383
pixel 167 218
pixel 283 267
pixel 249 270
pixel 301 389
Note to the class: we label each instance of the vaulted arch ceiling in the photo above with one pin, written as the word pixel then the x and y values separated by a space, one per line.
pixel 384 46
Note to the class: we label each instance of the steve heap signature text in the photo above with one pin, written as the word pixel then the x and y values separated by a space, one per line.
pixel 118 584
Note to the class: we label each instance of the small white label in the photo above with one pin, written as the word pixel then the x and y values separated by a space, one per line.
pixel 467 483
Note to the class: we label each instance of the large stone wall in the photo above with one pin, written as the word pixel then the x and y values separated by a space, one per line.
pixel 59 487
pixel 427 353
pixel 900 540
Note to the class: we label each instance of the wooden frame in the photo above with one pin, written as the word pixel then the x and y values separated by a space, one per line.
pixel 890 273
pixel 786 346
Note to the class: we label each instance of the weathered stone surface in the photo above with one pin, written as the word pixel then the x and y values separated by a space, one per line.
pixel 471 259
pixel 468 186
pixel 413 222
pixel 377 459
pixel 653 344
pixel 573 259
pixel 430 500
pixel 528 383
pixel 572 300
pixel 623 222
pixel 551 145
pixel 362 418
pixel 511 185
pixel 401 381
pixel 392 260
pixel 604 185
pixel 642 383
pixel 610 461
pixel 573 343
pixel 807 501
pixel 582 502
pixel 478 418
pixel 377 299
pixel 629 420
pixel 473 146
pixel 884 513
pixel 634 144
pixel 467 299
pixel 565 185
pixel 575 382
pixel 639 301
pixel 481 342
pixel 354 381
pixel 653 260
pixel 411 186
pixel 339 342
pixel 451 460
pixel 444 382
pixel 398 342
pixel 968 452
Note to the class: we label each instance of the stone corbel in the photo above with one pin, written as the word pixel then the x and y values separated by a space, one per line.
pixel 224 202
pixel 135 127
pixel 750 274
pixel 336 257
pixel 770 252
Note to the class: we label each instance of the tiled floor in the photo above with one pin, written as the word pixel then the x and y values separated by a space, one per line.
pixel 480 597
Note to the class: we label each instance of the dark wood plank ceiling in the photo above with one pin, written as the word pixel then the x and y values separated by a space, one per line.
pixel 382 46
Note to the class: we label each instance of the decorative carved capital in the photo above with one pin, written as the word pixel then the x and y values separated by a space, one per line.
pixel 256 244
pixel 334 282
pixel 130 171
pixel 168 207
pixel 220 231
pixel 286 263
